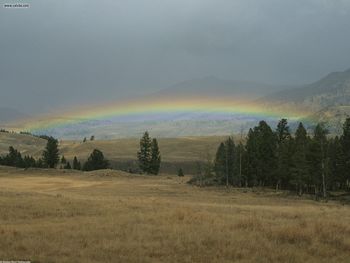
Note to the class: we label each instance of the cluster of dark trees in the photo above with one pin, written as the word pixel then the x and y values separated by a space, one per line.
pixel 276 158
pixel 96 161
pixel 149 155
pixel 76 165
pixel 14 158
pixel 51 158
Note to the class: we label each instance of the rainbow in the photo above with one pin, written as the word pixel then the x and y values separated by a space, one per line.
pixel 159 106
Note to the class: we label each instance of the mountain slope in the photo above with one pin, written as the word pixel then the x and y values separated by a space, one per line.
pixel 26 144
pixel 326 100
pixel 215 87
pixel 330 91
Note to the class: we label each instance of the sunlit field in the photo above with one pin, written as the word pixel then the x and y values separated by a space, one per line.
pixel 110 216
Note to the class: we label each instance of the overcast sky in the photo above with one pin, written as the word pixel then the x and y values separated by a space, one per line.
pixel 76 51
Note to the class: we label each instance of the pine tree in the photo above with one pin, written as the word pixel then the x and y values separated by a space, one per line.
pixel 224 163
pixel 63 160
pixel 283 154
pixel 13 158
pixel 317 159
pixel 155 158
pixel 220 162
pixel 299 165
pixel 96 161
pixel 266 152
pixel 50 154
pixel 252 158
pixel 144 155
pixel 337 175
pixel 40 163
pixel 230 161
pixel 68 166
pixel 180 173
pixel 76 164
pixel 29 161
pixel 240 167
pixel 345 144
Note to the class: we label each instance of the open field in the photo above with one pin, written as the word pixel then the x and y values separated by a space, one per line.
pixel 176 152
pixel 173 149
pixel 110 216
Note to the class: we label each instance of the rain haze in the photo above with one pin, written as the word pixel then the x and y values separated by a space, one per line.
pixel 61 53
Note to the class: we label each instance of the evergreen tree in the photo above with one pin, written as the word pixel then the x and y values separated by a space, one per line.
pixel 144 155
pixel 96 161
pixel 76 164
pixel 224 164
pixel 230 161
pixel 220 162
pixel 240 165
pixel 51 154
pixel 266 152
pixel 345 144
pixel 337 175
pixel 180 173
pixel 68 166
pixel 40 163
pixel 317 160
pixel 283 154
pixel 13 158
pixel 299 165
pixel 29 161
pixel 252 158
pixel 63 160
pixel 155 158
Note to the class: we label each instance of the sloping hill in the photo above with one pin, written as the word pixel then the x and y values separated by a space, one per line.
pixel 330 91
pixel 326 100
pixel 26 144
pixel 176 152
pixel 172 149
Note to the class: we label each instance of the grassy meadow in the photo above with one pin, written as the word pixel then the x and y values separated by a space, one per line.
pixel 181 152
pixel 111 216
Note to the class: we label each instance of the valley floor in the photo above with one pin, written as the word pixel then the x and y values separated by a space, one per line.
pixel 110 216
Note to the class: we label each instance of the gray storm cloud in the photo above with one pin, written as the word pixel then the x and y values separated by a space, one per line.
pixel 60 53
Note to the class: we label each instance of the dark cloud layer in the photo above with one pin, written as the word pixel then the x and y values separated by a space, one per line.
pixel 60 53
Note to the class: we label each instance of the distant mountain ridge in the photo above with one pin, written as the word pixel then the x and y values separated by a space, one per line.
pixel 332 90
pixel 213 86
pixel 327 100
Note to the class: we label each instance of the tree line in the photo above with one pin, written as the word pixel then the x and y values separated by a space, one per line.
pixel 51 159
pixel 279 159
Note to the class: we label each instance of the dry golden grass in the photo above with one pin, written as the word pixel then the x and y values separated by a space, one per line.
pixel 28 145
pixel 172 149
pixel 109 216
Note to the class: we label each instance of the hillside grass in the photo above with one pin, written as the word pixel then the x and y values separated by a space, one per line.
pixel 111 216
pixel 122 153
pixel 172 149
pixel 26 144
